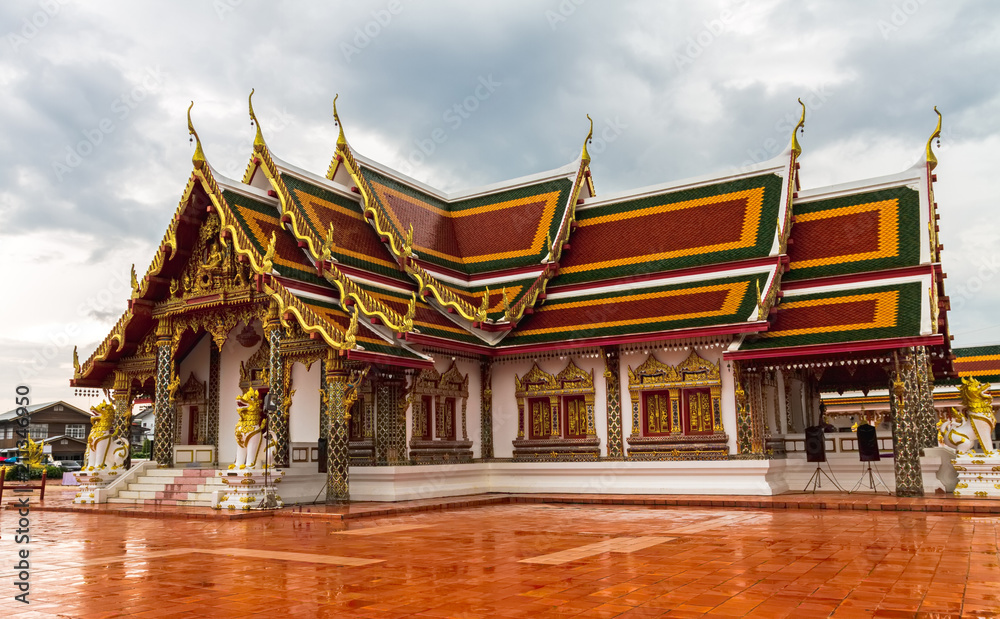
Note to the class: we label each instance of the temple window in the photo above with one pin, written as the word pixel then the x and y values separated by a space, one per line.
pixel 439 409
pixel 656 410
pixel 676 410
pixel 555 414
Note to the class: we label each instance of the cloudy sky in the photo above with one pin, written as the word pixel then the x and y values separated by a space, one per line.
pixel 95 151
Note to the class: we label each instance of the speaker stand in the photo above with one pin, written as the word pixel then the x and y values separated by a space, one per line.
pixel 870 474
pixel 816 481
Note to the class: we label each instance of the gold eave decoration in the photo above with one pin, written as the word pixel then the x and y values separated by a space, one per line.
pixel 320 249
pixel 401 248
pixel 932 160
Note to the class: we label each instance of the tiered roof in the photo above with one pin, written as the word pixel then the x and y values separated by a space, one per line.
pixel 376 263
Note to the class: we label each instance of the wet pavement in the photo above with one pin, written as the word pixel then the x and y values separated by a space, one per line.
pixel 489 557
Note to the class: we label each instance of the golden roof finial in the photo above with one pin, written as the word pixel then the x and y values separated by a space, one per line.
pixel 341 140
pixel 931 157
pixel 199 155
pixel 258 141
pixel 76 363
pixel 590 136
pixel 796 147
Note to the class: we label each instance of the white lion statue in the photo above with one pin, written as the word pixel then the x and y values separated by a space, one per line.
pixel 255 448
pixel 103 450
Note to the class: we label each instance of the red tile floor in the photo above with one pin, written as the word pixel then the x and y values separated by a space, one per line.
pixel 513 560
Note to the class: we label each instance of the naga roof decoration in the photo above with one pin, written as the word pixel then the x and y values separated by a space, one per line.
pixel 372 262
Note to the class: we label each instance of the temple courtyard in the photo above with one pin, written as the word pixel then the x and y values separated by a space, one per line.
pixel 516 556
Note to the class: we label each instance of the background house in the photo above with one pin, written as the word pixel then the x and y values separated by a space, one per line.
pixel 61 425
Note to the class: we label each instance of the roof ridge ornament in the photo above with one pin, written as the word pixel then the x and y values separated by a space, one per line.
pixel 796 147
pixel 341 140
pixel 584 154
pixel 258 141
pixel 199 155
pixel 932 160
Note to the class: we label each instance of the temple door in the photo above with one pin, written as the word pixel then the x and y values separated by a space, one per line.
pixel 194 417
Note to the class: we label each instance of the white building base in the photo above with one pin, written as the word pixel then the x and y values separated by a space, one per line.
pixel 717 477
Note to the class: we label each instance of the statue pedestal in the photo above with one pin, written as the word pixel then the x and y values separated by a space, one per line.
pixel 93 483
pixel 978 475
pixel 250 489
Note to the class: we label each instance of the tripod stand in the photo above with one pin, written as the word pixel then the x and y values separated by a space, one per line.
pixel 871 474
pixel 816 481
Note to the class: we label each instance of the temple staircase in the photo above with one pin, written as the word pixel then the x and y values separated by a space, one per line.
pixel 171 487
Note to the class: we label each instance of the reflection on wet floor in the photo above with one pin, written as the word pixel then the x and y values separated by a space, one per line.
pixel 515 560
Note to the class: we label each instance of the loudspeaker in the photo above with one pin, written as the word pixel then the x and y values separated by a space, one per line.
pixel 815 444
pixel 322 455
pixel 868 444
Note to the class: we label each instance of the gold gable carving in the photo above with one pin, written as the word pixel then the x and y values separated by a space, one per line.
pixel 450 384
pixel 570 381
pixel 193 390
pixel 253 372
pixel 693 371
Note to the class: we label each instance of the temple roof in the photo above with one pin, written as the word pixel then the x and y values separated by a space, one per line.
pixel 540 262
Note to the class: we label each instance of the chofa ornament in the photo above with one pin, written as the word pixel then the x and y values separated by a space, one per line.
pixel 255 447
pixel 103 450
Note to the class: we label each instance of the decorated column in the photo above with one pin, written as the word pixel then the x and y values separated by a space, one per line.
pixel 163 405
pixel 122 427
pixel 613 388
pixel 905 400
pixel 277 418
pixel 213 399
pixel 486 408
pixel 338 460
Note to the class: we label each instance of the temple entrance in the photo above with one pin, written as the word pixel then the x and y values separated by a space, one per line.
pixel 191 439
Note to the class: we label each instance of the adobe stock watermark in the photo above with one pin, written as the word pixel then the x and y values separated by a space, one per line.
pixel 564 10
pixel 696 44
pixel 22 534
pixel 783 128
pixel 32 25
pixel 453 117
pixel 898 17
pixel 370 30
pixel 973 286
pixel 121 108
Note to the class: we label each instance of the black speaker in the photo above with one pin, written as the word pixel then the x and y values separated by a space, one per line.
pixel 815 444
pixel 322 455
pixel 868 444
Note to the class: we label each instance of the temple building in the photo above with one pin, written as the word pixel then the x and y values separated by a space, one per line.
pixel 530 335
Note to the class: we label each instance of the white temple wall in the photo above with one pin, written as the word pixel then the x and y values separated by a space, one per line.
pixel 505 404
pixel 233 353
pixel 303 415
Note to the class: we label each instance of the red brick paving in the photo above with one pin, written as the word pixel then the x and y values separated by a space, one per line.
pixel 779 561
